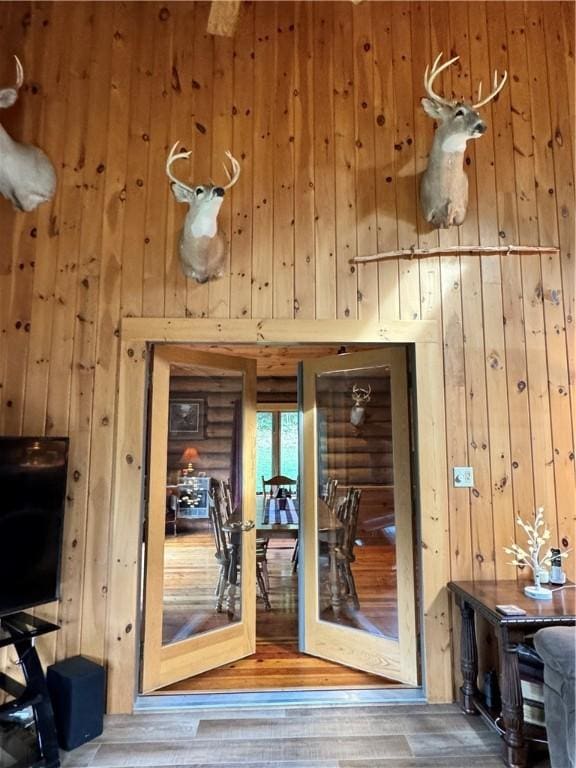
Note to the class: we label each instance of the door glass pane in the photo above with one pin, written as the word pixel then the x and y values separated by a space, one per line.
pixel 356 523
pixel 289 445
pixel 204 479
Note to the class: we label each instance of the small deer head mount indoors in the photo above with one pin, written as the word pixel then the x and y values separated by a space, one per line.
pixel 444 186
pixel 358 411
pixel 202 243
pixel 27 177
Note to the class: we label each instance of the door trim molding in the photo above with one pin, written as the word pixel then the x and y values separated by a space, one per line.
pixel 122 647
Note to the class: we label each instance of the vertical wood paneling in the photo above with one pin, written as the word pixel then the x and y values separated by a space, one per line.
pixel 242 111
pixel 95 592
pixel 512 291
pixel 84 328
pixel 199 129
pixel 304 252
pixel 132 253
pixel 551 278
pixel 325 119
pixel 157 191
pixel 385 110
pixel 495 349
pixel 45 268
pixel 553 180
pixel 365 186
pixel 481 512
pixel 219 290
pixel 180 129
pixel 324 187
pixel 405 159
pixel 350 278
pixel 283 133
pixel 430 297
pixel 538 398
pixel 67 229
pixel 561 91
pixel 263 141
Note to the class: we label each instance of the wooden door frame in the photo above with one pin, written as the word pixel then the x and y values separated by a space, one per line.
pixel 122 635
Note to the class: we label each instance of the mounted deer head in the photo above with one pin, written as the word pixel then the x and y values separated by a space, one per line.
pixel 358 411
pixel 27 177
pixel 202 243
pixel 444 186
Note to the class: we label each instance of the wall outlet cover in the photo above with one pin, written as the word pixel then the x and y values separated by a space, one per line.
pixel 463 477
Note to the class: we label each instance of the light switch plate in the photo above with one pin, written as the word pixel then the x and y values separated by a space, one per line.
pixel 463 477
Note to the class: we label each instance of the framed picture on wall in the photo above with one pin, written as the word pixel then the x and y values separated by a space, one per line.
pixel 186 419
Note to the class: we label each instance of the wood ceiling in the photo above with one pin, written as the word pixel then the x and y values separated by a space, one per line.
pixel 272 360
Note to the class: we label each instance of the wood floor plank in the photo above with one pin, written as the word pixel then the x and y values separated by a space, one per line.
pixel 81 757
pixel 374 710
pixel 268 764
pixel 171 726
pixel 245 751
pixel 459 743
pixel 369 736
pixel 423 762
pixel 328 727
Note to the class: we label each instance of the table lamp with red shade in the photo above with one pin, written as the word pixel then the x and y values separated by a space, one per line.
pixel 189 455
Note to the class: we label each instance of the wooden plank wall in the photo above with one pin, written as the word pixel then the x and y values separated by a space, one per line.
pixel 355 456
pixel 215 446
pixel 320 103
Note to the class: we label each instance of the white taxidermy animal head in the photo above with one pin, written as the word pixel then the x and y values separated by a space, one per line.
pixel 358 411
pixel 27 177
pixel 202 243
pixel 444 187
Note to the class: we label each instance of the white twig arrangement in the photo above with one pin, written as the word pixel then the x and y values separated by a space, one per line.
pixel 536 540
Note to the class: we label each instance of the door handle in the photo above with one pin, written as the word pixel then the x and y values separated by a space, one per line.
pixel 241 527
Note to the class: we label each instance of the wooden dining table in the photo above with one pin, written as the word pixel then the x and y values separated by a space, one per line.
pixel 266 530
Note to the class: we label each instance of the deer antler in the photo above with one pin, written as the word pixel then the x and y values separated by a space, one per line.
pixel 361 395
pixel 172 157
pixel 232 179
pixel 19 73
pixel 428 80
pixel 497 87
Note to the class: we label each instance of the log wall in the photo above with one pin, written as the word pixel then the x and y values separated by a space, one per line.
pixel 320 103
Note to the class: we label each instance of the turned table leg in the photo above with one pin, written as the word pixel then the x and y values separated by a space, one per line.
pixel 468 659
pixel 514 751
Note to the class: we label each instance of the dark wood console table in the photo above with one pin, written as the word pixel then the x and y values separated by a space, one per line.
pixel 482 598
pixel 21 630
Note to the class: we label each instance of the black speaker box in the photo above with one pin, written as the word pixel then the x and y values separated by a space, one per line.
pixel 77 690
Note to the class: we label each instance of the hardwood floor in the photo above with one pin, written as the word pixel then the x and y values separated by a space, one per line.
pixel 277 663
pixel 391 736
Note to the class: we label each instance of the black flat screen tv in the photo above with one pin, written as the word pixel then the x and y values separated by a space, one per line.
pixel 32 501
